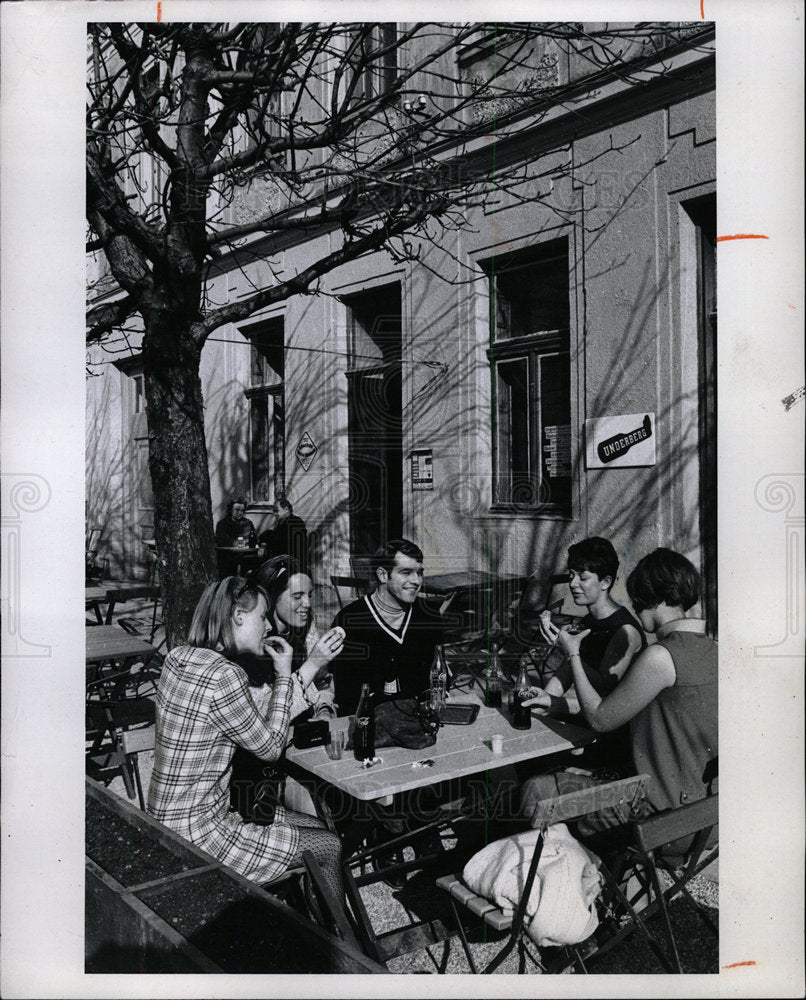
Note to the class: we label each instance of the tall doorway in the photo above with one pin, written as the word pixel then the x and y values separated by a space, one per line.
pixel 702 212
pixel 375 417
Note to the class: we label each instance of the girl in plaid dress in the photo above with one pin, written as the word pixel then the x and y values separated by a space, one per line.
pixel 205 708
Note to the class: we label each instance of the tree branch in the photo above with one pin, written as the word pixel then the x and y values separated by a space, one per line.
pixel 103 319
pixel 106 198
pixel 299 284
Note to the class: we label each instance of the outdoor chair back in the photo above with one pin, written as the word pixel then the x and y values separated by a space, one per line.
pixel 560 809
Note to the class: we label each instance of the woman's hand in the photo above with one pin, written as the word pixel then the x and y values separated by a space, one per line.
pixel 281 653
pixel 569 642
pixel 548 629
pixel 538 699
pixel 327 647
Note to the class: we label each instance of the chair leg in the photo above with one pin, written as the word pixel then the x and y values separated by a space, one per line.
pixel 463 938
pixel 675 965
pixel 131 762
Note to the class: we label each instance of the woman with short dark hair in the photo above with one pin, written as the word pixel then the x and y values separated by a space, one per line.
pixel 668 696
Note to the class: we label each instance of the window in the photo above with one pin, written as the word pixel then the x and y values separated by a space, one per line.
pixel 376 62
pixel 266 396
pixel 531 380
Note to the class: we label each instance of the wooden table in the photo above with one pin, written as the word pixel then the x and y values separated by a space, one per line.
pixel 460 751
pixel 478 593
pixel 442 584
pixel 94 597
pixel 108 642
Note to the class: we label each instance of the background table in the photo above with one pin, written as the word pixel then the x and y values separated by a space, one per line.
pixel 108 642
pixel 478 594
pixel 236 556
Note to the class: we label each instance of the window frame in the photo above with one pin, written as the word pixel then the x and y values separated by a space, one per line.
pixel 533 348
pixel 258 393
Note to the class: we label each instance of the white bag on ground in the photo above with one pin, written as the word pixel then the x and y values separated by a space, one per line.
pixel 561 908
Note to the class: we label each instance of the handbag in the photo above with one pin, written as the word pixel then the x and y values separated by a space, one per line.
pixel 404 722
pixel 256 787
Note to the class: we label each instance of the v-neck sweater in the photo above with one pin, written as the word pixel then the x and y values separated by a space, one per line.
pixel 394 662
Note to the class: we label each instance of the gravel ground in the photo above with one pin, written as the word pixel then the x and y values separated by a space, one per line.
pixel 389 908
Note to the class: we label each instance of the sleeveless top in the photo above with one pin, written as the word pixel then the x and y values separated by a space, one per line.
pixel 675 737
pixel 593 647
pixel 612 750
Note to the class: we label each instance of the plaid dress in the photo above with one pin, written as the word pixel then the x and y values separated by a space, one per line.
pixel 204 708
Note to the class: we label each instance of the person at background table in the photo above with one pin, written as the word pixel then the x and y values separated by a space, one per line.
pixel 668 696
pixel 286 534
pixel 205 709
pixel 254 788
pixel 390 635
pixel 613 638
pixel 229 529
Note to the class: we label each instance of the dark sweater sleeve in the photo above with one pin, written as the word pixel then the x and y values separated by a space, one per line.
pixel 351 668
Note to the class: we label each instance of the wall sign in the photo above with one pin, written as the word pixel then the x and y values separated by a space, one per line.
pixel 620 441
pixel 306 450
pixel 557 449
pixel 422 469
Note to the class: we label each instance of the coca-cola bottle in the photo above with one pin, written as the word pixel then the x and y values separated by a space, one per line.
pixel 439 680
pixel 521 717
pixel 364 732
pixel 494 680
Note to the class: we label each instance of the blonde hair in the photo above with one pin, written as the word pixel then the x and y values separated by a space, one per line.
pixel 211 627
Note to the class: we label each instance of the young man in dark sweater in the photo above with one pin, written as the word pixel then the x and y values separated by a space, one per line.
pixel 390 635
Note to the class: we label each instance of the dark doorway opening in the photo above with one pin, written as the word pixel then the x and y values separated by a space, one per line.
pixel 702 212
pixel 375 424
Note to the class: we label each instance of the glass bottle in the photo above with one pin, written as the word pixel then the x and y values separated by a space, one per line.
pixel 439 679
pixel 522 717
pixel 494 680
pixel 364 733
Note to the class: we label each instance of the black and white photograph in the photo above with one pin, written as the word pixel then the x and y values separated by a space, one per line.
pixel 435 530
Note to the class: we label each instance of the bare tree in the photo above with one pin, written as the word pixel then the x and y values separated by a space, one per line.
pixel 373 132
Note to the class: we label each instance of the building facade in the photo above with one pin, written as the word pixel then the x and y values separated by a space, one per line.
pixel 544 373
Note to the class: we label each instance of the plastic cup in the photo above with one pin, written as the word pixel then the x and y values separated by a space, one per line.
pixel 497 743
pixel 335 746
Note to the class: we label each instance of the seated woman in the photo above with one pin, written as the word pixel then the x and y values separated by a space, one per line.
pixel 612 639
pixel 668 696
pixel 255 787
pixel 205 709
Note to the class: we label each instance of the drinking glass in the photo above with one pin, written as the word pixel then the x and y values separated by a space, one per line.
pixel 335 746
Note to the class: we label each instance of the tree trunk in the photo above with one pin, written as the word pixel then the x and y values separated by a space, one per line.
pixel 179 473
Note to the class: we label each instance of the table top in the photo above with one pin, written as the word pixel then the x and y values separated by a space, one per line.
pixel 245 550
pixel 104 642
pixel 467 579
pixel 95 594
pixel 458 752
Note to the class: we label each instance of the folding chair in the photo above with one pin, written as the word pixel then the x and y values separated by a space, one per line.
pixel 94 571
pixel 631 791
pixel 329 909
pixel 121 703
pixel 679 842
pixel 132 743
